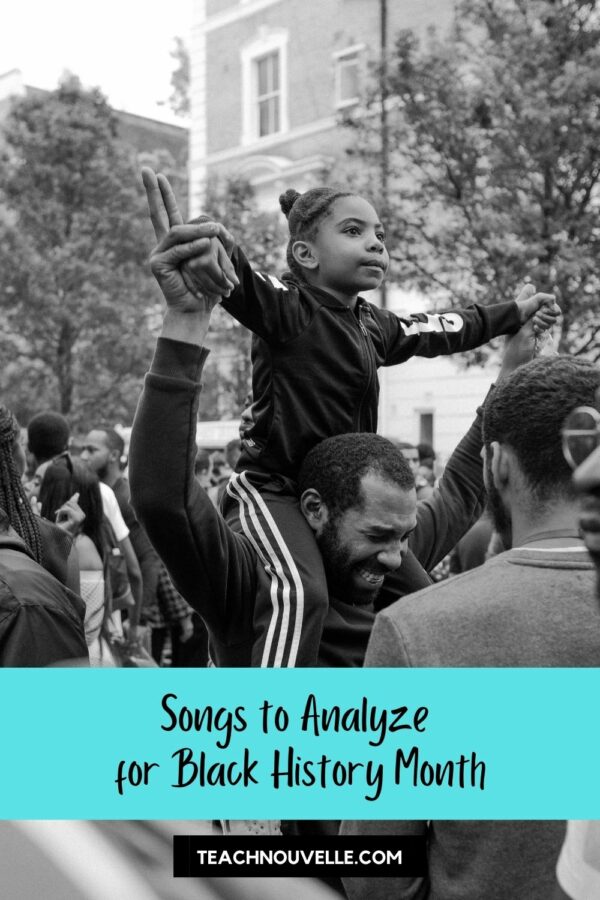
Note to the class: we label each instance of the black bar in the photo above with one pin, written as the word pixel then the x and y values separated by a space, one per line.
pixel 272 856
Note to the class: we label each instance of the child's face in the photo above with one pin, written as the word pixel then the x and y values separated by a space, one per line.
pixel 348 250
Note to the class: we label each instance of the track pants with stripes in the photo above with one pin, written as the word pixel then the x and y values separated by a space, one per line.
pixel 291 604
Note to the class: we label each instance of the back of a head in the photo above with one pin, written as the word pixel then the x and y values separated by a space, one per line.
pixel 56 488
pixel 47 435
pixel 64 478
pixel 304 212
pixel 526 412
pixel 87 484
pixel 335 468
pixel 113 438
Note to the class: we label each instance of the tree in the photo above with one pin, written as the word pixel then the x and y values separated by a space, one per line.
pixel 261 236
pixel 494 175
pixel 179 99
pixel 75 295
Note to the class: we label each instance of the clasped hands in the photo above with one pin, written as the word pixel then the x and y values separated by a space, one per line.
pixel 190 262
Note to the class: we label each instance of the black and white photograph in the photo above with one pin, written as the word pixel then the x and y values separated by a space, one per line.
pixel 300 342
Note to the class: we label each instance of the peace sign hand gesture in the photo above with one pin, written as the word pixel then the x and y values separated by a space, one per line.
pixel 205 242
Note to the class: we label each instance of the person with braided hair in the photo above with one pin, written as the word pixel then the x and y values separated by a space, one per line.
pixel 317 345
pixel 13 499
pixel 50 545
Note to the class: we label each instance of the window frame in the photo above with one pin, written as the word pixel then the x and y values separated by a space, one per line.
pixel 354 51
pixel 266 45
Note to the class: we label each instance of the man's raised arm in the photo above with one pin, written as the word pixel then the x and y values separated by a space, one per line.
pixel 212 567
pixel 458 501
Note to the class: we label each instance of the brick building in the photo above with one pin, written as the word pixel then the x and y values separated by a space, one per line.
pixel 271 77
pixel 269 82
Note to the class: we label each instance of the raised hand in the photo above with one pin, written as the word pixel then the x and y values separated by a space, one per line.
pixel 212 270
pixel 70 516
pixel 543 308
pixel 519 348
pixel 530 340
pixel 178 243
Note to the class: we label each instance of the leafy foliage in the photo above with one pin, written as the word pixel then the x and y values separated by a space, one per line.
pixel 74 287
pixel 496 159
pixel 179 100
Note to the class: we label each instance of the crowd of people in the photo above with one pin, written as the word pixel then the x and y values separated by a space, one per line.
pixel 66 505
pixel 314 541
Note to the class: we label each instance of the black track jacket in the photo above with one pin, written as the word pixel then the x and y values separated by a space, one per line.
pixel 315 361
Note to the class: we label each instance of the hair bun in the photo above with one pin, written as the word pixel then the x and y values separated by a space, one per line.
pixel 287 200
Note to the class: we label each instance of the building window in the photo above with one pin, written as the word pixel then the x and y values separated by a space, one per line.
pixel 264 85
pixel 268 94
pixel 348 75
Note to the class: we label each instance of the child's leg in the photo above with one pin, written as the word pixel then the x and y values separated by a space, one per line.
pixel 291 606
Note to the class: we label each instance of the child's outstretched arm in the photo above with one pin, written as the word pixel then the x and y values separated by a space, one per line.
pixel 462 329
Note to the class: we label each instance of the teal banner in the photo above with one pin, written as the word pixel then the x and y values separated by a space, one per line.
pixel 312 744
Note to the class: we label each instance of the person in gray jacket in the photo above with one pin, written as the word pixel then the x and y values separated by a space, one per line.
pixel 533 605
pixel 578 866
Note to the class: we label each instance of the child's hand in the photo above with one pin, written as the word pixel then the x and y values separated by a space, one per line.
pixel 542 308
pixel 211 272
pixel 547 315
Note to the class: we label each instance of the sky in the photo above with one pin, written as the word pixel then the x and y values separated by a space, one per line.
pixel 121 46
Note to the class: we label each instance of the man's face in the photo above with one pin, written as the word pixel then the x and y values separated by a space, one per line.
pixel 495 504
pixel 366 542
pixel 587 480
pixel 96 453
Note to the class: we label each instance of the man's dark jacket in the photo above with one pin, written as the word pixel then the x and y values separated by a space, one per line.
pixel 218 570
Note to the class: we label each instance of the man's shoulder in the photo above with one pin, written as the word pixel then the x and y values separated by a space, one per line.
pixel 108 495
pixel 463 592
pixel 519 608
pixel 112 511
pixel 121 489
pixel 122 493
pixel 492 581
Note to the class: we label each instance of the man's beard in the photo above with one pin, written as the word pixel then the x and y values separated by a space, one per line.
pixel 497 510
pixel 338 567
